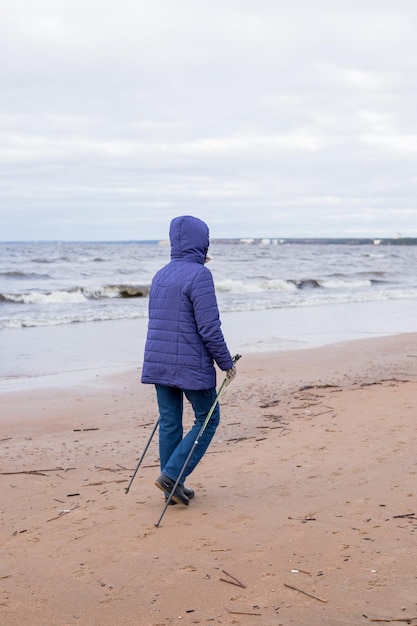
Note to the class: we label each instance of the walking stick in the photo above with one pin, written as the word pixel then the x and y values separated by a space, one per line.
pixel 143 454
pixel 195 444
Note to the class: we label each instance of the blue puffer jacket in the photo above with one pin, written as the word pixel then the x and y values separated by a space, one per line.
pixel 184 332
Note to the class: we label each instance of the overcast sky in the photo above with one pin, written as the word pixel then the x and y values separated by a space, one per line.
pixel 266 118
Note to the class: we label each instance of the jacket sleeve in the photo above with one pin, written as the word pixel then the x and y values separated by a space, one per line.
pixel 207 318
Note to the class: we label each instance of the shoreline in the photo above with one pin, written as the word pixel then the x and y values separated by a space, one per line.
pixel 308 483
pixel 31 354
pixel 321 356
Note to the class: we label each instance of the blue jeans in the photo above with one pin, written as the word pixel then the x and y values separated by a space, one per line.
pixel 173 447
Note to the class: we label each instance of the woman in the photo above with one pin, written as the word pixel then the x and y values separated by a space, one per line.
pixel 184 340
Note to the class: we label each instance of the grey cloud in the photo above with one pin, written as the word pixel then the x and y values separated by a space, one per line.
pixel 296 116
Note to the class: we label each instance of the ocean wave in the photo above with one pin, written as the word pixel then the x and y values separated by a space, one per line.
pixel 292 284
pixel 316 298
pixel 19 274
pixel 68 259
pixel 240 286
pixel 96 312
pixel 76 318
pixel 351 283
pixel 333 283
pixel 251 288
pixel 306 283
pixel 76 294
pixel 115 291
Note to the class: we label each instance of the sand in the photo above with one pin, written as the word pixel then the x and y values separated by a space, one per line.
pixel 305 510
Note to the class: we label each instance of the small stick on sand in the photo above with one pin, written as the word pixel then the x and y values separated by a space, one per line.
pixel 37 471
pixel 242 612
pixel 61 513
pixel 221 549
pixel 311 595
pixel 105 482
pixel 79 430
pixel 407 620
pixel 234 580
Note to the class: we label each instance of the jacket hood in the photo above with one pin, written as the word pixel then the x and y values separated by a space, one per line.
pixel 189 238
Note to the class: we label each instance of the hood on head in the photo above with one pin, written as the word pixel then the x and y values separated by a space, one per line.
pixel 189 238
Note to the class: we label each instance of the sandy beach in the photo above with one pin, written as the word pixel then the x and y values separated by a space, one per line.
pixel 305 510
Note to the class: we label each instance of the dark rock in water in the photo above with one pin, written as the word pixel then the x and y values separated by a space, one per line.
pixel 130 291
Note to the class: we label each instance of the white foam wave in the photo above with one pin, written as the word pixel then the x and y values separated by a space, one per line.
pixel 77 294
pixel 101 292
pixel 240 286
pixel 54 297
pixel 228 303
pixel 344 283
pixel 314 298
pixel 277 285
pixel 98 316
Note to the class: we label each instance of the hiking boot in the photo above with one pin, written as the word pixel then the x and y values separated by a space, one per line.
pixel 188 492
pixel 166 484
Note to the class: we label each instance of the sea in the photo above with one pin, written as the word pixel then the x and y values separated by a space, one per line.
pixel 83 306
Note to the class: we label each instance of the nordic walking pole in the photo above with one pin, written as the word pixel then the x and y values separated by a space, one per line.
pixel 143 454
pixel 195 444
